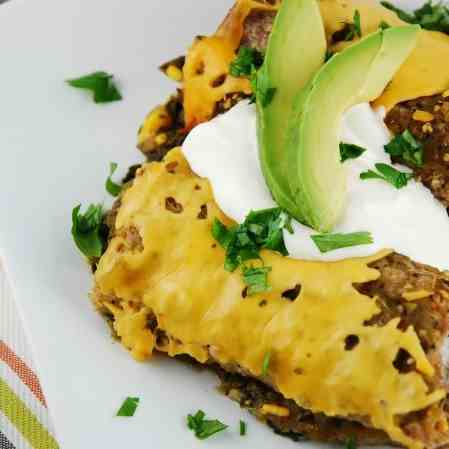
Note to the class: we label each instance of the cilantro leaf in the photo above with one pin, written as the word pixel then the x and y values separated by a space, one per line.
pixel 328 55
pixel 351 443
pixel 256 279
pixel 350 151
pixel 384 25
pixel 204 428
pixel 357 24
pixel 261 229
pixel 407 147
pixel 101 84
pixel 350 30
pixel 111 187
pixel 242 428
pixel 331 242
pixel 262 87
pixel 246 61
pixel 430 16
pixel 87 230
pixel 266 363
pixel 389 174
pixel 129 406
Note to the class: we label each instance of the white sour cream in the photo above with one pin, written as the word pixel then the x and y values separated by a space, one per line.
pixel 408 220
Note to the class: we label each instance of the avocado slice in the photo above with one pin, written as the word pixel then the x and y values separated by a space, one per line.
pixel 296 50
pixel 359 74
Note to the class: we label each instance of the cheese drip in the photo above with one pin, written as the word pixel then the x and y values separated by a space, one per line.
pixel 179 277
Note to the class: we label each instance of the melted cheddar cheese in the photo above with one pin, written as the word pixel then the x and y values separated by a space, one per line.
pixel 179 277
pixel 426 72
pixel 206 71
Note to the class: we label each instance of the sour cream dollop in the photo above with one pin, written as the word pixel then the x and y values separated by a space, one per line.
pixel 408 220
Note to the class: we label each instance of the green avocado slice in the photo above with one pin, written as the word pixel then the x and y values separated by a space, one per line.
pixel 296 50
pixel 358 74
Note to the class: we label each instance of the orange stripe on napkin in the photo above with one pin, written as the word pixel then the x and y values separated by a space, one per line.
pixel 26 375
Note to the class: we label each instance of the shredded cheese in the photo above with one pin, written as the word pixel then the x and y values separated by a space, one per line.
pixel 179 276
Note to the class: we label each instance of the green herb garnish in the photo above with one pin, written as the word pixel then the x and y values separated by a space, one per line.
pixel 352 30
pixel 128 407
pixel 328 55
pixel 430 16
pixel 204 428
pixel 266 363
pixel 384 25
pixel 87 230
pixel 262 87
pixel 350 151
pixel 256 279
pixel 357 24
pixel 101 84
pixel 389 174
pixel 243 427
pixel 351 443
pixel 406 147
pixel 331 242
pixel 111 187
pixel 261 229
pixel 247 60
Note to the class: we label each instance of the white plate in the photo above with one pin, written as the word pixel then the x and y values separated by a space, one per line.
pixel 55 146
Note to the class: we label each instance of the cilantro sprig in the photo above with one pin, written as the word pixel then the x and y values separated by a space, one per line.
pixel 247 60
pixel 350 151
pixel 129 407
pixel 430 16
pixel 204 428
pixel 406 147
pixel 111 187
pixel 88 231
pixel 330 242
pixel 248 63
pixel 101 84
pixel 266 363
pixel 242 428
pixel 261 229
pixel 352 30
pixel 388 174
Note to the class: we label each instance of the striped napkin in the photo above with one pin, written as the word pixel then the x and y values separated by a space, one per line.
pixel 24 418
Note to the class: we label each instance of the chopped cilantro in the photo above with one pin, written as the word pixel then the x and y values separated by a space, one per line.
pixel 266 363
pixel 430 16
pixel 351 30
pixel 328 55
pixel 204 428
pixel 407 147
pixel 111 187
pixel 384 25
pixel 261 229
pixel 87 230
pixel 256 279
pixel 357 24
pixel 389 174
pixel 101 84
pixel 246 61
pixel 262 87
pixel 128 407
pixel 331 242
pixel 350 151
pixel 243 427
pixel 351 443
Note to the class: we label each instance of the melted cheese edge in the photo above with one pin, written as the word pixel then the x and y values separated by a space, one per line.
pixel 179 276
pixel 426 71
